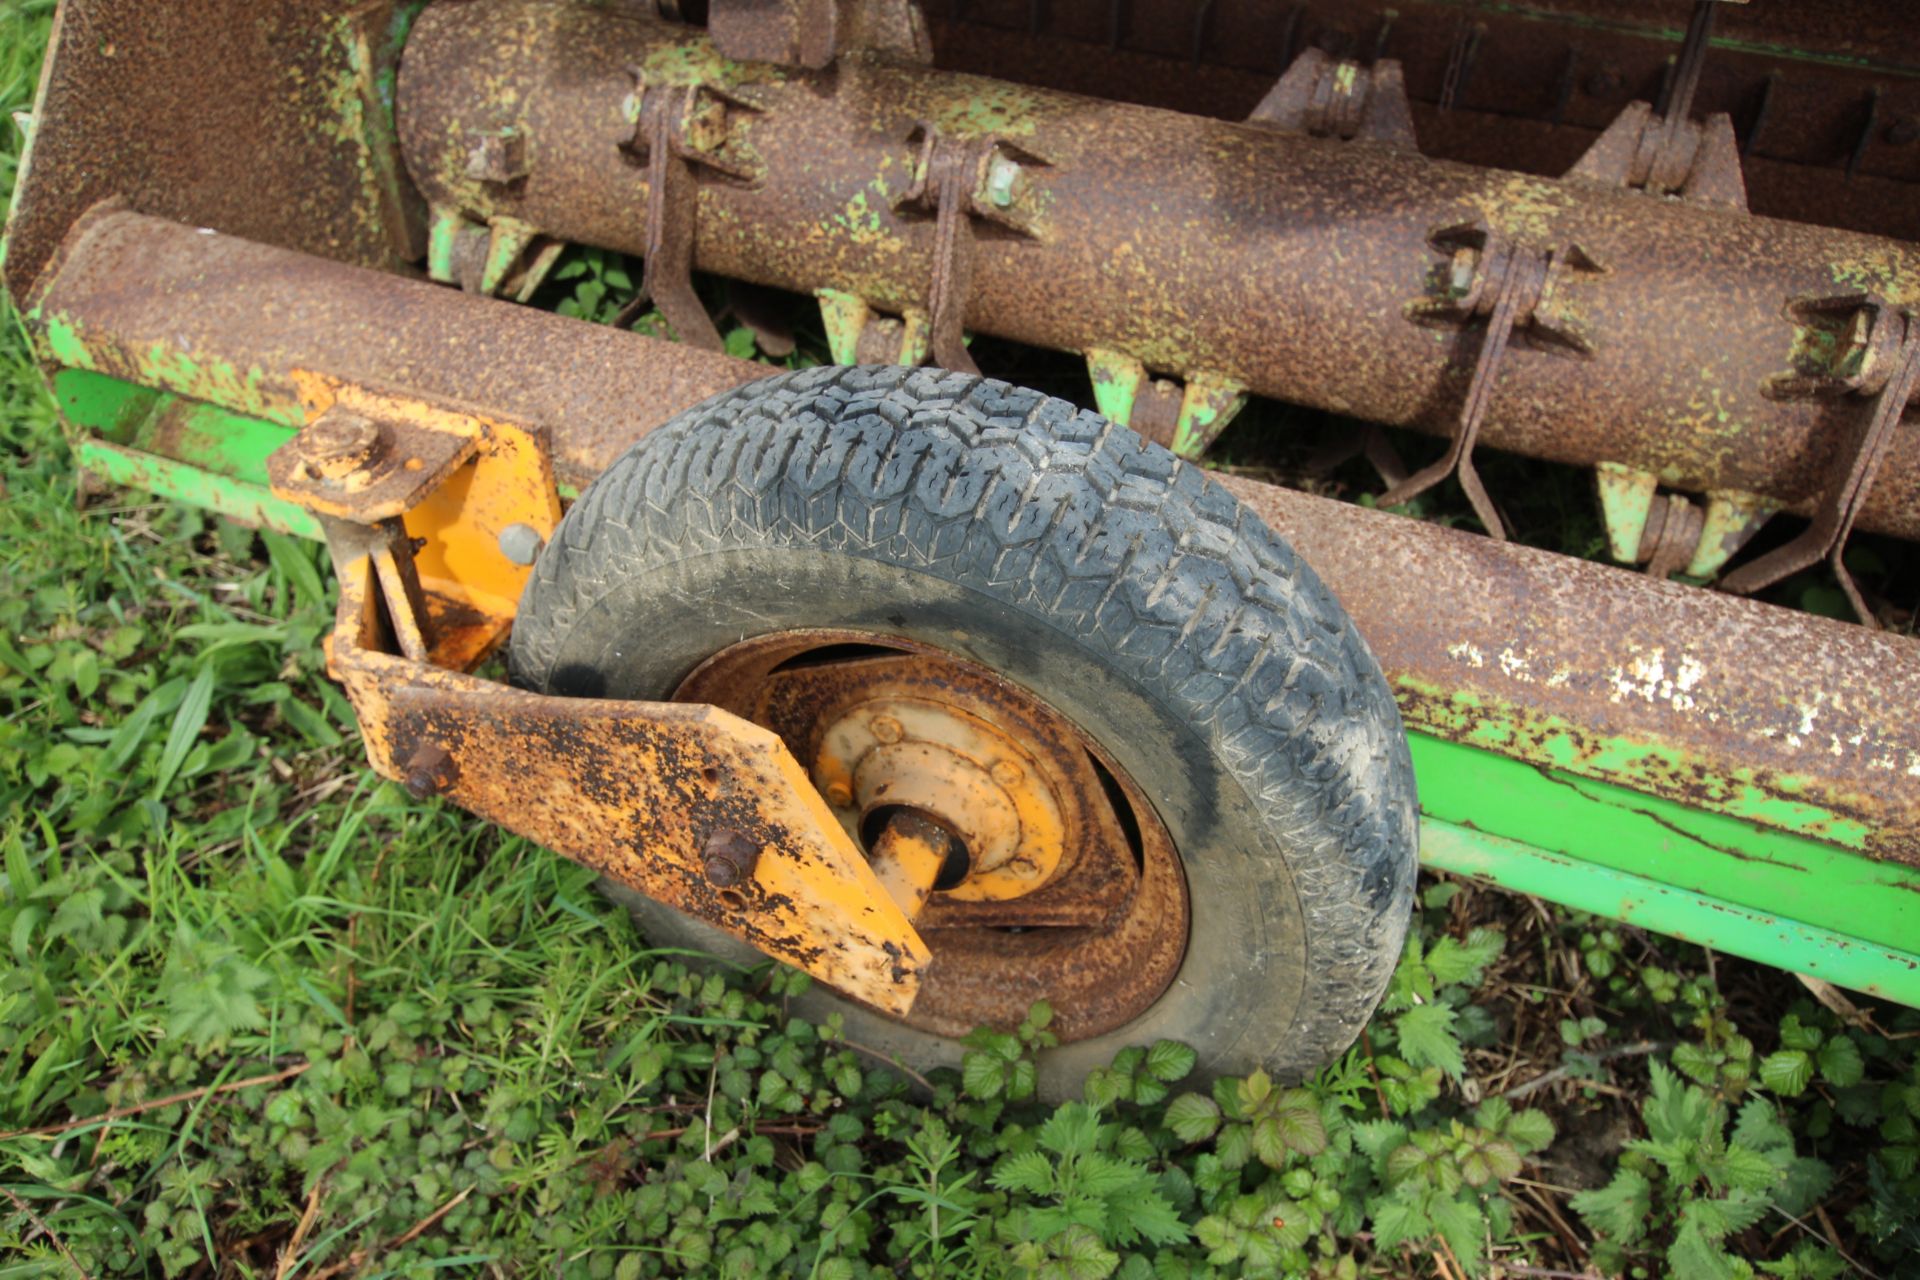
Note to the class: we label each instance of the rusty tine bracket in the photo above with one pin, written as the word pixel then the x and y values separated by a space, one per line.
pixel 1670 153
pixel 1323 96
pixel 815 33
pixel 1514 287
pixel 1854 344
pixel 961 181
pixel 676 128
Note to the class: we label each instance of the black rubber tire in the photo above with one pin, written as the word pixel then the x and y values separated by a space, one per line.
pixel 1119 584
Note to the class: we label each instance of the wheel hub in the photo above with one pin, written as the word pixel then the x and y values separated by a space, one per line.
pixel 973 779
pixel 1061 882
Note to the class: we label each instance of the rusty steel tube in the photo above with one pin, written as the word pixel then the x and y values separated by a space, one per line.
pixel 1283 262
pixel 1801 709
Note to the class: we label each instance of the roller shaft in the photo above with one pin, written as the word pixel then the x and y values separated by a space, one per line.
pixel 1294 266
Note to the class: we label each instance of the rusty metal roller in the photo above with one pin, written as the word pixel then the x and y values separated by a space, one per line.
pixel 1671 338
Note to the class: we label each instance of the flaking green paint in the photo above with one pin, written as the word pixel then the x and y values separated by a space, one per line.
pixel 508 238
pixel 443 233
pixel 185 450
pixel 844 316
pixel 1774 937
pixel 192 432
pixel 1731 518
pixel 696 61
pixel 1885 271
pixel 1650 768
pixel 1117 379
pixel 60 342
pixel 1209 403
pixel 1764 868
pixel 1626 501
pixel 1002 110
pixel 246 503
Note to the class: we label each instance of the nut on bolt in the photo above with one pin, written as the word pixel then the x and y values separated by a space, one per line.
pixel 338 443
pixel 729 858
pixel 521 543
pixel 1003 172
pixel 430 771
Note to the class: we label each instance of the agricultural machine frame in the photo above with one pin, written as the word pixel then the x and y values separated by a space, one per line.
pixel 277 275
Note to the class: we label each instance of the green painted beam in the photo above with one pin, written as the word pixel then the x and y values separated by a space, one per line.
pixel 237 500
pixel 1787 889
pixel 1695 850
pixel 1780 940
pixel 185 450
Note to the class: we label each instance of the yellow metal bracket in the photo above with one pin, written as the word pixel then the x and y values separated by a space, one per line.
pixel 686 803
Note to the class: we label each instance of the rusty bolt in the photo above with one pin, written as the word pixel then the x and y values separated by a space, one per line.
pixel 498 158
pixel 1854 352
pixel 839 795
pixel 887 729
pixel 729 858
pixel 708 123
pixel 1007 773
pixel 339 443
pixel 431 771
pixel 521 543
pixel 1002 172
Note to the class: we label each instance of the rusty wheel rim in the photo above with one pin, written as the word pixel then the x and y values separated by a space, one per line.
pixel 1068 888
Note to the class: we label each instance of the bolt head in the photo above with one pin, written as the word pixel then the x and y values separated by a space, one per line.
pixel 1002 173
pixel 887 729
pixel 521 543
pixel 430 771
pixel 728 858
pixel 839 795
pixel 498 158
pixel 338 443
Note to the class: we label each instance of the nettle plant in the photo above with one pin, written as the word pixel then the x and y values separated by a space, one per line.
pixel 1720 1157
pixel 1707 1183
pixel 1250 1177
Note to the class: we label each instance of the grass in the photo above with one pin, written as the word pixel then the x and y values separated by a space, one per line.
pixel 263 1015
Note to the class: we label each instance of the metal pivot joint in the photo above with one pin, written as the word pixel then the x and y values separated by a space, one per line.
pixel 1327 97
pixel 963 182
pixel 1516 289
pixel 1850 345
pixel 1667 152
pixel 679 129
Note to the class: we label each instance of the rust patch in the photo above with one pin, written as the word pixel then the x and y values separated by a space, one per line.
pixel 1068 889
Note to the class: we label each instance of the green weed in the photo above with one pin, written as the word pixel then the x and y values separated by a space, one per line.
pixel 263 1015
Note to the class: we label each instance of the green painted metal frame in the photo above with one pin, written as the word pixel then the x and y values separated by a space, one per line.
pixel 1710 878
pixel 185 450
pixel 1714 878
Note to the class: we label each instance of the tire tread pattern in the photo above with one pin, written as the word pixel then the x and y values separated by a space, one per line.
pixel 1129 552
